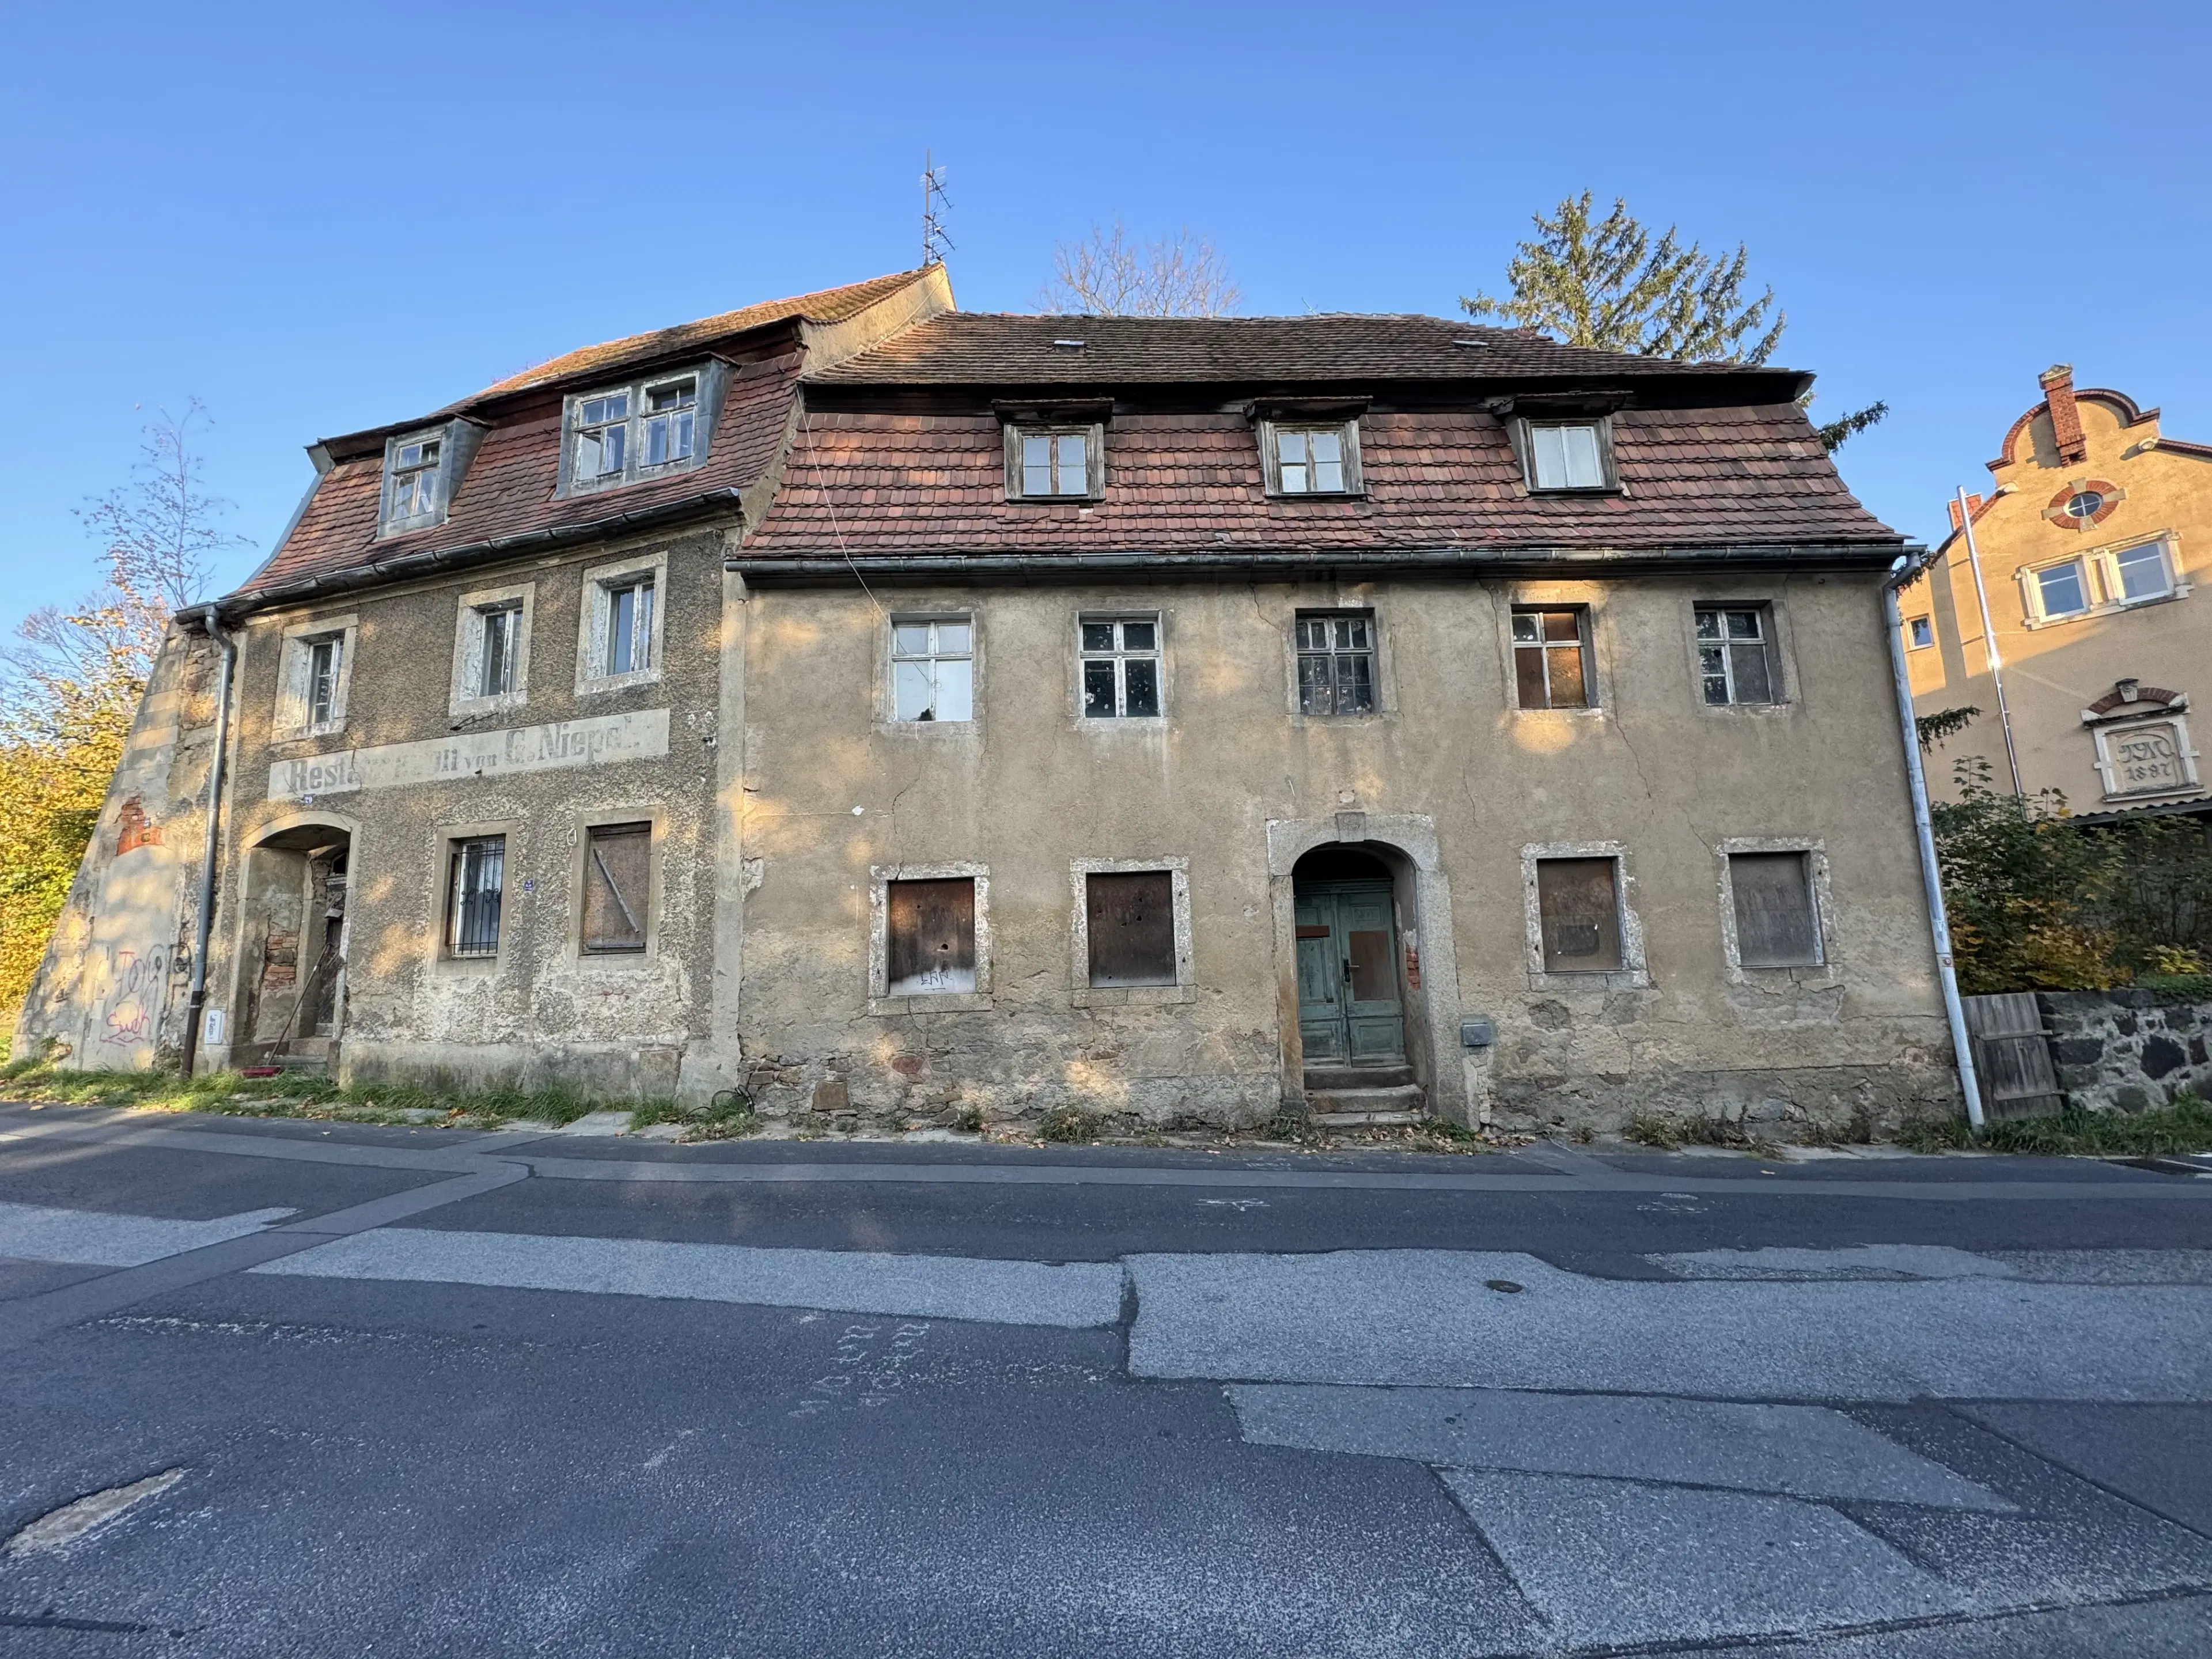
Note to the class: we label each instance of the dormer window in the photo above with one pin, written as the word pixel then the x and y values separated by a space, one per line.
pixel 1566 455
pixel 1310 458
pixel 647 429
pixel 1056 463
pixel 421 472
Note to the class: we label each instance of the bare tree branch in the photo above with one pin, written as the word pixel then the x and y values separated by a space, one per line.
pixel 1108 274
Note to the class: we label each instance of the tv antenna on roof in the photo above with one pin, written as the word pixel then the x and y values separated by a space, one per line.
pixel 934 241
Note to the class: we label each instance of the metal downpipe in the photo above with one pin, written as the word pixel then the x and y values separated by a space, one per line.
pixel 1939 921
pixel 204 926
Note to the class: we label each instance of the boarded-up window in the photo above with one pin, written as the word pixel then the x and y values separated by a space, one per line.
pixel 932 946
pixel 1580 909
pixel 1132 928
pixel 1775 924
pixel 618 874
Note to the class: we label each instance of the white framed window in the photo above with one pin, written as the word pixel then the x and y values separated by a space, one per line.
pixel 475 889
pixel 1131 932
pixel 1567 455
pixel 1054 463
pixel 491 650
pixel 933 668
pixel 1922 632
pixel 2059 590
pixel 1336 662
pixel 414 482
pixel 421 471
pixel 314 677
pixel 1121 658
pixel 1310 458
pixel 1582 928
pixel 649 429
pixel 2143 571
pixel 623 624
pixel 1736 660
pixel 929 938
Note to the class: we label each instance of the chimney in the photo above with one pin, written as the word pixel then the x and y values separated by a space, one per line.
pixel 2057 384
pixel 1974 506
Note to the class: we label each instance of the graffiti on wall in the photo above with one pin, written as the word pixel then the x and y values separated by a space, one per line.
pixel 137 985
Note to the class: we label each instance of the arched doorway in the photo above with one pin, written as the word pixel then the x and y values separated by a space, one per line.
pixel 1351 996
pixel 293 947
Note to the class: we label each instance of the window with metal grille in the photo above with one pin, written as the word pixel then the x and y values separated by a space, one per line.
pixel 1310 460
pixel 1551 663
pixel 325 658
pixel 1336 662
pixel 629 626
pixel 617 877
pixel 1567 455
pixel 414 482
pixel 473 896
pixel 1129 918
pixel 1735 657
pixel 1578 907
pixel 1056 463
pixel 671 411
pixel 933 668
pixel 931 946
pixel 1776 920
pixel 499 637
pixel 602 436
pixel 1121 668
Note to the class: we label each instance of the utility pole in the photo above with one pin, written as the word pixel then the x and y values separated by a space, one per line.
pixel 1989 640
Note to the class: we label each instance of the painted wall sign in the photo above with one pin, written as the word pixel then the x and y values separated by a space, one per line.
pixel 553 746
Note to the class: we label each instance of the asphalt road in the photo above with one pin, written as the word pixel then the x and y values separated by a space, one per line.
pixel 274 1389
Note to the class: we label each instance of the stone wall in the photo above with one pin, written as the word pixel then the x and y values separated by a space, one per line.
pixel 2127 1051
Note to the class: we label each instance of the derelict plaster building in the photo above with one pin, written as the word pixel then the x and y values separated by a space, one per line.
pixel 883 708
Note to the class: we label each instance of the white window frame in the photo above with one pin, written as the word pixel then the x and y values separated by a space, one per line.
pixel 294 716
pixel 2118 731
pixel 707 382
pixel 1121 655
pixel 1093 435
pixel 467 697
pixel 1828 971
pixel 1272 431
pixel 1609 479
pixel 2102 593
pixel 1081 993
pixel 880 1001
pixel 435 475
pixel 1770 641
pixel 1914 627
pixel 595 624
pixel 1634 972
pixel 973 656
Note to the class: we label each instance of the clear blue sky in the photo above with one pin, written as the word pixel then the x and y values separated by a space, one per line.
pixel 319 219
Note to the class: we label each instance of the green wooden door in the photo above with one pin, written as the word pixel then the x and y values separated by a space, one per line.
pixel 1348 1008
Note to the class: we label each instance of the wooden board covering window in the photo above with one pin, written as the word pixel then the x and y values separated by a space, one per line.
pixel 1131 926
pixel 1775 926
pixel 618 872
pixel 1580 912
pixel 932 943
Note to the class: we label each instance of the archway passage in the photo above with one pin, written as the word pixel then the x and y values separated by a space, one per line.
pixel 1351 1015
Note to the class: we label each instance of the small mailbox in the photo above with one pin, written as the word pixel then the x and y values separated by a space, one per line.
pixel 1477 1033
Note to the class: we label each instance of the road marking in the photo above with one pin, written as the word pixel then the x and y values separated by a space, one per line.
pixel 96 1238
pixel 71 1522
pixel 1074 1295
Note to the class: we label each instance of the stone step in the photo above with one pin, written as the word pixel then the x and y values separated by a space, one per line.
pixel 311 1063
pixel 1339 1109
pixel 1357 1077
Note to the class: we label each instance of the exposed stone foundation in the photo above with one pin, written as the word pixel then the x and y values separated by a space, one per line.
pixel 2126 1051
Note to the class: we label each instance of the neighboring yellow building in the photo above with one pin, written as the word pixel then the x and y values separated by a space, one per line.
pixel 2090 547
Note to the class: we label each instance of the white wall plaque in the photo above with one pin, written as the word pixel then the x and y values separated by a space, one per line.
pixel 2146 757
pixel 557 745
